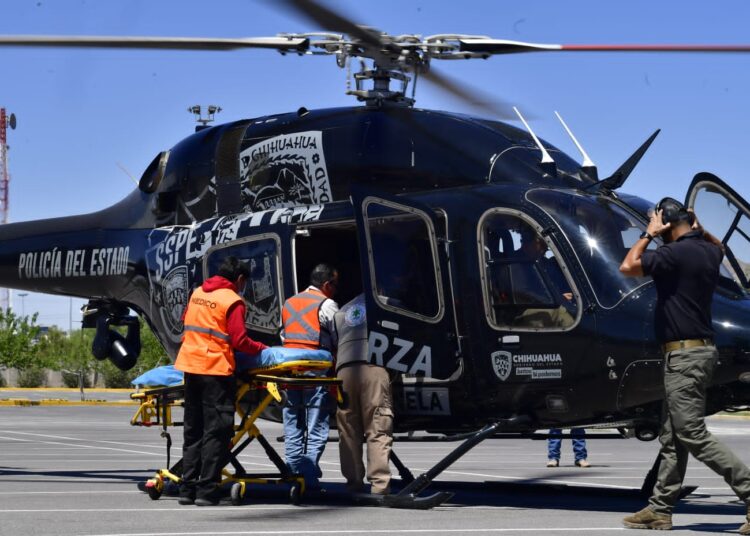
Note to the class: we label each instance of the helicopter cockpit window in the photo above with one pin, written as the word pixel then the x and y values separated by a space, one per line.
pixel 403 261
pixel 525 284
pixel 262 293
pixel 601 233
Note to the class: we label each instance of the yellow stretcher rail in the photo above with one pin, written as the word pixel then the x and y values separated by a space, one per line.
pixel 156 410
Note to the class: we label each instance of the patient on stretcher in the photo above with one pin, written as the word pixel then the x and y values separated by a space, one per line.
pixel 280 360
pixel 275 360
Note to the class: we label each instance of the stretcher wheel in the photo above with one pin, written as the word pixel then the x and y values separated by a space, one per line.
pixel 295 494
pixel 237 493
pixel 154 487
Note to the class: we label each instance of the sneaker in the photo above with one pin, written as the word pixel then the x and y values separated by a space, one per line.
pixel 745 528
pixel 648 519
pixel 206 501
pixel 553 463
pixel 582 463
pixel 186 500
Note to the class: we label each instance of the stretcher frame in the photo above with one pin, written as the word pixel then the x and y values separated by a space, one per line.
pixel 156 405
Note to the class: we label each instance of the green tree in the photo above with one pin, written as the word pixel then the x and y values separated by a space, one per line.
pixel 69 354
pixel 18 336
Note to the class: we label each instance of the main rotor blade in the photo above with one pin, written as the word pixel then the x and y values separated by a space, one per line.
pixel 502 46
pixel 330 20
pixel 498 108
pixel 158 43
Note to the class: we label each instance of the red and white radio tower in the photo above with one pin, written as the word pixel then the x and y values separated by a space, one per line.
pixel 5 121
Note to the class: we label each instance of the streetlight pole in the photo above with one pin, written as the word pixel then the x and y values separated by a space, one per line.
pixel 23 295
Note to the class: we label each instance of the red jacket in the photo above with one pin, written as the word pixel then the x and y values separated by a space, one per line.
pixel 235 318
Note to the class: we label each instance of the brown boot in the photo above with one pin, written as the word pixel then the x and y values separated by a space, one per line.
pixel 648 519
pixel 745 528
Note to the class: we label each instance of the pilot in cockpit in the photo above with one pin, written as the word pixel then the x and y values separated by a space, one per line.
pixel 540 280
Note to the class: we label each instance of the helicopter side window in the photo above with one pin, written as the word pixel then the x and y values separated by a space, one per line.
pixel 403 257
pixel 262 293
pixel 525 285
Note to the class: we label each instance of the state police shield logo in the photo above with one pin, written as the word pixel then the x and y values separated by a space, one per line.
pixel 174 297
pixel 502 364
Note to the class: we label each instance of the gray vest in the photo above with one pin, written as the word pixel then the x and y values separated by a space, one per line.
pixel 351 326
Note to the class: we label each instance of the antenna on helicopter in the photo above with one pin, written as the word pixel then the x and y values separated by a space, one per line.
pixel 197 111
pixel 588 166
pixel 547 163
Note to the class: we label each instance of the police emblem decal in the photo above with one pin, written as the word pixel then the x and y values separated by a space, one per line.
pixel 355 315
pixel 502 364
pixel 174 297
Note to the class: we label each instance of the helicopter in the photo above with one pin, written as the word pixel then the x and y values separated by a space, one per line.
pixel 430 214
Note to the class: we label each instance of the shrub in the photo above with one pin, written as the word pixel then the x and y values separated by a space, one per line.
pixel 32 377
pixel 115 378
pixel 71 379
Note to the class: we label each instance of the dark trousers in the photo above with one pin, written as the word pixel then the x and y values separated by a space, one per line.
pixel 209 425
pixel 687 374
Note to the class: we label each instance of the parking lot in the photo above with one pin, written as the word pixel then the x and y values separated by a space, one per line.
pixel 73 470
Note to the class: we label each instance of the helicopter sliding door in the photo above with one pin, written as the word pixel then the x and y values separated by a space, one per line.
pixel 407 289
pixel 726 215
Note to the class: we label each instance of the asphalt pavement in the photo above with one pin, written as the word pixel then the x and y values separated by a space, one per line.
pixel 74 470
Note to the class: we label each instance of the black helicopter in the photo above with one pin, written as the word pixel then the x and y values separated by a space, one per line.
pixel 488 258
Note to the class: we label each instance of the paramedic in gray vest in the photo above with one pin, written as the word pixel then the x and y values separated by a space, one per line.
pixel 368 409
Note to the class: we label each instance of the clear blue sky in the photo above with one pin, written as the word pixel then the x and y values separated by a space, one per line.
pixel 82 114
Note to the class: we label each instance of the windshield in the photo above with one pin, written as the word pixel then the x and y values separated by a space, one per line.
pixel 601 233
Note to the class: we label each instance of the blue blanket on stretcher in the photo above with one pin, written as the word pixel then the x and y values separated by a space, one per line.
pixel 278 355
pixel 159 376
pixel 268 358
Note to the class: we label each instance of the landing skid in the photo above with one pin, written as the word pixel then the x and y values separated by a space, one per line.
pixel 408 497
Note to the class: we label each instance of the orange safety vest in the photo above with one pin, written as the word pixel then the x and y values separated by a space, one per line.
pixel 206 348
pixel 301 320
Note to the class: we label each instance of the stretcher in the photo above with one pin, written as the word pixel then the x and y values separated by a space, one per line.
pixel 257 389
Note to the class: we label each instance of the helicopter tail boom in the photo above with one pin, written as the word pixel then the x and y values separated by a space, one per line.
pixel 71 256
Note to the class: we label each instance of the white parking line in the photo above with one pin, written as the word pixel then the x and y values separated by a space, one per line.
pixel 371 531
pixel 176 508
pixel 82 446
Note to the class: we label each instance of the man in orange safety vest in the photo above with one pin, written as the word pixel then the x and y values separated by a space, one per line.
pixel 214 327
pixel 308 324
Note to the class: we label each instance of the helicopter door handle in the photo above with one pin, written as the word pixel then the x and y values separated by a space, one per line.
pixel 387 324
pixel 512 341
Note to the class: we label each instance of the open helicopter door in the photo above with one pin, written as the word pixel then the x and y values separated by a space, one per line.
pixel 726 215
pixel 407 289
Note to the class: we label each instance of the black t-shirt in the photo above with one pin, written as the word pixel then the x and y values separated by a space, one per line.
pixel 685 273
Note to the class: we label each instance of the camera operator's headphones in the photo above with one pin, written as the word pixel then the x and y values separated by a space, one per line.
pixel 673 211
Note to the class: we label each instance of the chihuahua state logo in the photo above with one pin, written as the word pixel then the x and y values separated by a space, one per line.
pixel 502 364
pixel 285 171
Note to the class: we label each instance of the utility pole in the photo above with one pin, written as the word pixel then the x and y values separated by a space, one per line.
pixel 5 122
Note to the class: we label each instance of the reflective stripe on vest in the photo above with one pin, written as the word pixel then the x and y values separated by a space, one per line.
pixel 208 331
pixel 301 319
pixel 206 347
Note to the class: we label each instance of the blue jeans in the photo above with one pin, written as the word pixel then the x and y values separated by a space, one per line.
pixel 306 408
pixel 579 444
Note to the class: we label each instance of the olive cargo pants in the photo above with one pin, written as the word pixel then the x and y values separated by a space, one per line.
pixel 368 414
pixel 687 374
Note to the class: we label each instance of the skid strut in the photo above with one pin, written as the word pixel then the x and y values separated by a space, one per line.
pixel 408 497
